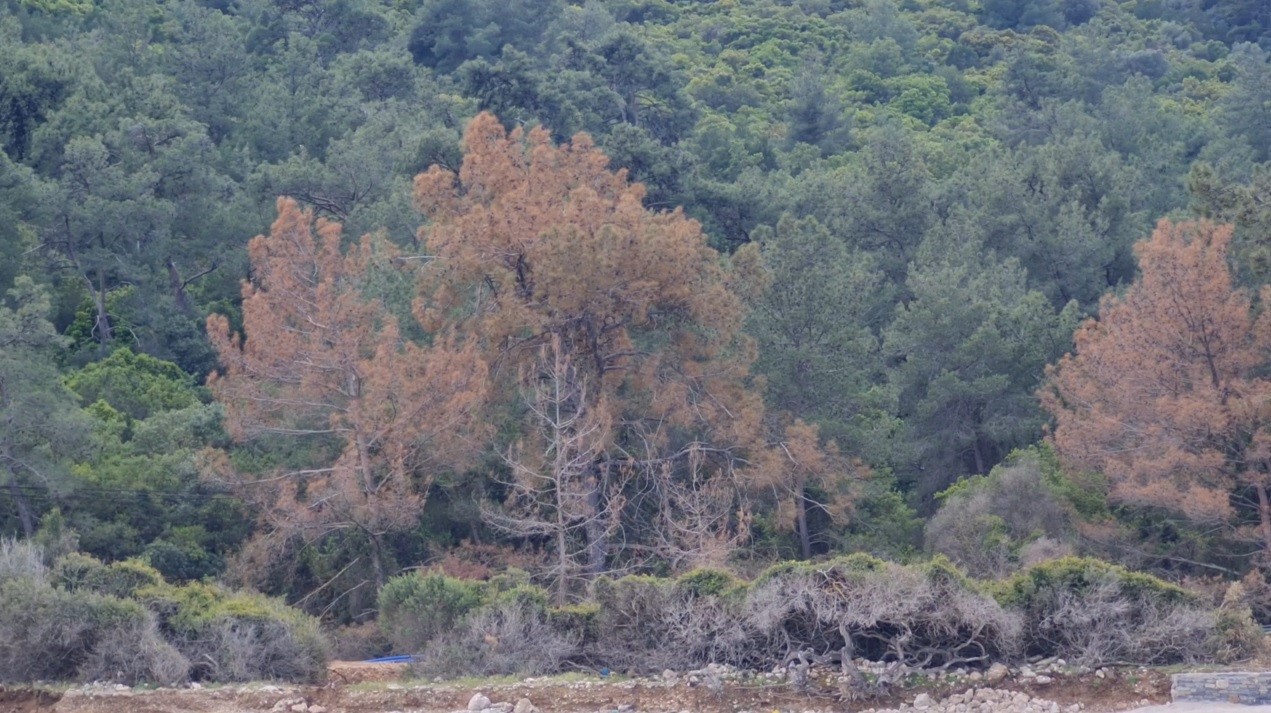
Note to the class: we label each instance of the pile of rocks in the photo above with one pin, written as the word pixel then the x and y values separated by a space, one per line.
pixel 982 700
pixel 480 703
pixel 296 705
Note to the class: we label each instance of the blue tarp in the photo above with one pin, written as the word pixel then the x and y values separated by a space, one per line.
pixel 407 658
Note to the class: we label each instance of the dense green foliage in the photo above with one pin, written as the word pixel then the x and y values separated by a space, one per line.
pixel 939 190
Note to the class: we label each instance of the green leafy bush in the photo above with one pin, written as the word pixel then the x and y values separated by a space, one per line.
pixel 417 608
pixel 238 636
pixel 121 622
pixel 1032 588
pixel 707 582
pixel 138 385
pixel 53 633
pixel 77 571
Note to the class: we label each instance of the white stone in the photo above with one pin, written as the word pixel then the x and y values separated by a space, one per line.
pixel 317 709
pixel 524 706
pixel 922 701
pixel 300 707
pixel 478 702
pixel 996 673
pixel 1043 680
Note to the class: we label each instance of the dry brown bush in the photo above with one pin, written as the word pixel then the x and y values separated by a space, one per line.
pixel 1094 613
pixel 859 606
pixel 232 649
pixel 357 642
pixel 648 625
pixel 1103 625
pixel 988 523
pixel 21 560
pixel 133 654
pixel 1255 593
pixel 508 637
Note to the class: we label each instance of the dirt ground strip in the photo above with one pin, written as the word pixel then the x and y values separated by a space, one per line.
pixel 359 688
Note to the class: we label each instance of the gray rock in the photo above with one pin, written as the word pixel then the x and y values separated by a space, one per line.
pixel 922 701
pixel 478 702
pixel 524 706
pixel 996 673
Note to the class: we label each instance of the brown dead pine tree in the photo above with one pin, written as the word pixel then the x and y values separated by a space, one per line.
pixel 323 363
pixel 1165 394
pixel 538 244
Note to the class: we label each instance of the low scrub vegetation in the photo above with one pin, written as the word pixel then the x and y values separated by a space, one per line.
pixel 83 620
pixel 1092 612
pixel 927 615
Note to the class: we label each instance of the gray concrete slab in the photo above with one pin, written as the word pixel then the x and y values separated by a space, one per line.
pixel 1190 707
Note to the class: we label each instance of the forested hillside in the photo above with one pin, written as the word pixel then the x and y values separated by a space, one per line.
pixel 633 286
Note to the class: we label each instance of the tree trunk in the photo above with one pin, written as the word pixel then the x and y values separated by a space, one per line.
pixel 562 541
pixel 805 538
pixel 101 326
pixel 562 561
pixel 177 285
pixel 24 508
pixel 1264 516
pixel 377 561
pixel 597 537
pixel 979 456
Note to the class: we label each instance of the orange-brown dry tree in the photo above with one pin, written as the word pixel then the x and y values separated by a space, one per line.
pixel 538 245
pixel 808 465
pixel 325 364
pixel 1165 394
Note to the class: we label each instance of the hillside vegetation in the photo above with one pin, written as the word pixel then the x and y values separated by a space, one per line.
pixel 575 292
